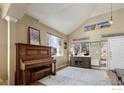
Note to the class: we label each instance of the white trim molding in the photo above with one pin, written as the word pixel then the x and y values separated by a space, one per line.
pixel 9 18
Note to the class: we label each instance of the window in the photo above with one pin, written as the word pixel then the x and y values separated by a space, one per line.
pixel 56 44
pixel 80 48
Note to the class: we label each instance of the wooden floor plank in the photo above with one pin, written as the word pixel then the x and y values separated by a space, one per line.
pixel 112 77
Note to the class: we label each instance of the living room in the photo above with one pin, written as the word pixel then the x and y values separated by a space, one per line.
pixel 84 38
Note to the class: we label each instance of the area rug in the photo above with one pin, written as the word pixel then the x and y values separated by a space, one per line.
pixel 78 76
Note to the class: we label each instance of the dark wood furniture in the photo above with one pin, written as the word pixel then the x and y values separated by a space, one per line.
pixel 120 75
pixel 83 62
pixel 33 62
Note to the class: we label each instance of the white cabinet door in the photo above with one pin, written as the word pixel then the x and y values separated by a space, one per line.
pixel 116 53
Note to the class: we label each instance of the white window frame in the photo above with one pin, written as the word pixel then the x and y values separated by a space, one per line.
pixel 61 46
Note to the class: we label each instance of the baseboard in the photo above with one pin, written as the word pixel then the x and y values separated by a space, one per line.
pixel 95 66
pixel 61 67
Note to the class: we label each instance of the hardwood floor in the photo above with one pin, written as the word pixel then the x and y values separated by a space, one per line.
pixel 113 77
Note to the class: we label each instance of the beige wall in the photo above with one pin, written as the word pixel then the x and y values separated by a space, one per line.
pixel 3 49
pixel 19 34
pixel 12 52
pixel 22 36
pixel 95 35
pixel 4 8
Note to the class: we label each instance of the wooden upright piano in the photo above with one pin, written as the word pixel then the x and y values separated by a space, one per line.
pixel 33 62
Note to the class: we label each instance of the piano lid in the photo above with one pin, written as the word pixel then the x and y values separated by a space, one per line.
pixel 33 52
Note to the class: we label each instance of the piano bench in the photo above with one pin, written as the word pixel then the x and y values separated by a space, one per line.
pixel 39 73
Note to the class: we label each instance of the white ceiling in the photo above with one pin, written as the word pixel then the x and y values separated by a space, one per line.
pixel 66 17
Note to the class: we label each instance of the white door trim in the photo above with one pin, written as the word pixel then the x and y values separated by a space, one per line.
pixel 109 52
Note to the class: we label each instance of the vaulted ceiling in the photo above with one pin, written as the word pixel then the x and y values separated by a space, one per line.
pixel 66 17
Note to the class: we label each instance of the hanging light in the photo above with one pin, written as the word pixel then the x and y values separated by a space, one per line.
pixel 111 19
pixel 103 24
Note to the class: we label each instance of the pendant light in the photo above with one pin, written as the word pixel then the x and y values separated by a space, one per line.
pixel 111 19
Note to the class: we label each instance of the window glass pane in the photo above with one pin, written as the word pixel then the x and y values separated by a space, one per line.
pixel 80 48
pixel 56 43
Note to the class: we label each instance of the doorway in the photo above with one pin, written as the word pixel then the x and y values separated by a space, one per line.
pixel 116 52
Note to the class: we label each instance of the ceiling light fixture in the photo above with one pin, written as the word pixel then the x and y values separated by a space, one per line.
pixel 100 24
pixel 111 19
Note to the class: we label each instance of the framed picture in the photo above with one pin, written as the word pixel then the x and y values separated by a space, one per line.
pixel 33 36
pixel 65 45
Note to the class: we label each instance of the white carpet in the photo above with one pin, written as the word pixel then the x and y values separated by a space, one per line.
pixel 77 76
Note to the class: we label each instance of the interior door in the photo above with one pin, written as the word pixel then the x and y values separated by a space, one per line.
pixel 116 52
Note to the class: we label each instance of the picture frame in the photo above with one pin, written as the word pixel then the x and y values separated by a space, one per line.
pixel 33 36
pixel 65 45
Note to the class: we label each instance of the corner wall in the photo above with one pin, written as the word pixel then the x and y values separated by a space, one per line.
pixel 21 36
pixel 3 49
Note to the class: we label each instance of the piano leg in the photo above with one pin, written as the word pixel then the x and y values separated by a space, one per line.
pixel 50 70
pixel 54 69
pixel 23 77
